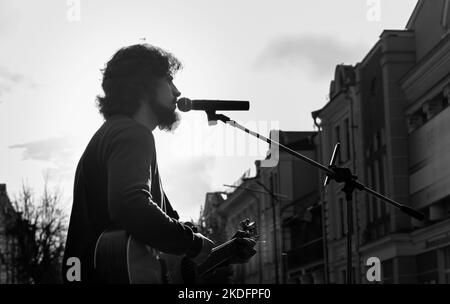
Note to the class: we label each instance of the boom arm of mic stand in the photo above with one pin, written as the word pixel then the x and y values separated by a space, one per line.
pixel 227 120
pixel 331 171
pixel 408 210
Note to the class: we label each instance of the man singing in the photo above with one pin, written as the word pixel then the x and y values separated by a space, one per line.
pixel 117 183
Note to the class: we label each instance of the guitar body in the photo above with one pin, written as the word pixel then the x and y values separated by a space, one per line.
pixel 119 258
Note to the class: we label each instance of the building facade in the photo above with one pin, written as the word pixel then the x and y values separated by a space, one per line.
pixel 390 114
pixel 9 247
pixel 298 211
pixel 426 88
pixel 240 204
pixel 283 201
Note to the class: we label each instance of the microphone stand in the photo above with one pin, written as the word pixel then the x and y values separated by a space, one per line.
pixel 339 174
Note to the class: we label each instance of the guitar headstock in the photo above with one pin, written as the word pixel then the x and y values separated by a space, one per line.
pixel 237 250
pixel 249 227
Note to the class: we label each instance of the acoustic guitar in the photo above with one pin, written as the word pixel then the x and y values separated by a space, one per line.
pixel 120 258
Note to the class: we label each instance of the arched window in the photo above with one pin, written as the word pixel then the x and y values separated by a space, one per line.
pixel 445 22
pixel 373 87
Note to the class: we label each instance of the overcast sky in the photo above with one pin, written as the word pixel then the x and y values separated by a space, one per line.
pixel 280 55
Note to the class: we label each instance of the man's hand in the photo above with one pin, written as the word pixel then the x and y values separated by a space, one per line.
pixel 244 248
pixel 206 250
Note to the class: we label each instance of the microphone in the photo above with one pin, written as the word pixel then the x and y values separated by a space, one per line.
pixel 185 104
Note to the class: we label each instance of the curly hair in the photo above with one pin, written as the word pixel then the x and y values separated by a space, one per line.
pixel 131 74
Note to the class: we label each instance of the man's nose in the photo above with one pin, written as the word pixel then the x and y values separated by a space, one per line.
pixel 176 92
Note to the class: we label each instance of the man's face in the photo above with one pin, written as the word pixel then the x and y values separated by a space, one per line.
pixel 164 104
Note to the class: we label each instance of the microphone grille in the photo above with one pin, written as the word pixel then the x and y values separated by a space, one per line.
pixel 184 104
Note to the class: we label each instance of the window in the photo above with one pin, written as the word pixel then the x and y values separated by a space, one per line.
pixel 427 268
pixel 343 216
pixel 376 186
pixel 344 275
pixel 373 87
pixel 370 210
pixel 347 138
pixel 446 253
pixel 445 16
pixel 388 271
pixel 337 133
pixel 381 185
pixel 270 243
pixel 374 199
pixel 376 142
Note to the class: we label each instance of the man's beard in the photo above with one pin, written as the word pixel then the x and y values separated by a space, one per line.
pixel 168 119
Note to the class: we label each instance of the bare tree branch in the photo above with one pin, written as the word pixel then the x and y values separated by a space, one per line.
pixel 41 235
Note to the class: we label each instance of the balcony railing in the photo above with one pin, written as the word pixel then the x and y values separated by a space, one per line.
pixel 377 229
pixel 305 254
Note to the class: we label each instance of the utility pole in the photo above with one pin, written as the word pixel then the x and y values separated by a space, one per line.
pixel 274 220
pixel 274 198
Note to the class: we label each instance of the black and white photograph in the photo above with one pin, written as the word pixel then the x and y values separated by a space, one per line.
pixel 225 147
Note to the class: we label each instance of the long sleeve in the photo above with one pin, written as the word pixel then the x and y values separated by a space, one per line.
pixel 131 154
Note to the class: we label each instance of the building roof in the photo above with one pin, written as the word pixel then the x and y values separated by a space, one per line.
pixel 296 140
pixel 6 208
pixel 344 77
pixel 415 13
pixel 5 202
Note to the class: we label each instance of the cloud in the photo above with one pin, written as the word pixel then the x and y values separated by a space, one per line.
pixel 49 149
pixel 186 183
pixel 319 54
pixel 9 80
pixel 62 152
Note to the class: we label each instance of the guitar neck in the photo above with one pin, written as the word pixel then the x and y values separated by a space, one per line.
pixel 227 250
pixel 218 255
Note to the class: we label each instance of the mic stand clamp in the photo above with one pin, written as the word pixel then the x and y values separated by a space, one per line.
pixel 213 117
pixel 344 175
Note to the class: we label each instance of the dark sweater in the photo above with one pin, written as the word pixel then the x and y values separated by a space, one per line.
pixel 117 185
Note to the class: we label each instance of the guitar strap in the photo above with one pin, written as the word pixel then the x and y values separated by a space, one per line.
pixel 160 197
pixel 161 194
pixel 165 277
